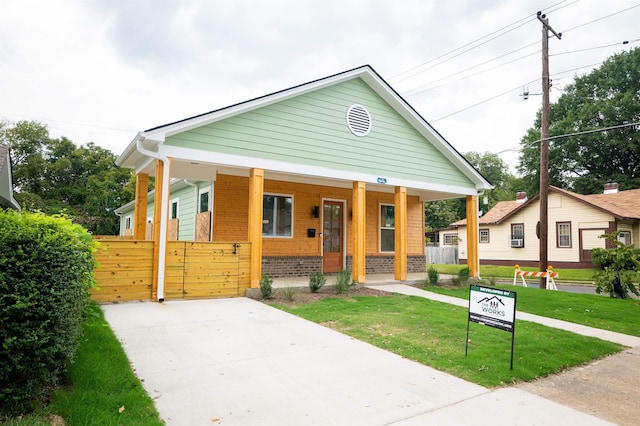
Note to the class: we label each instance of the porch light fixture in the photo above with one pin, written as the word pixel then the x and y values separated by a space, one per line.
pixel 315 211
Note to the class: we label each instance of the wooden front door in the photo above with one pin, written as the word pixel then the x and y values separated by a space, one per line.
pixel 333 236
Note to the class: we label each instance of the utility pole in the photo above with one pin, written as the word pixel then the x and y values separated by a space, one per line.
pixel 544 147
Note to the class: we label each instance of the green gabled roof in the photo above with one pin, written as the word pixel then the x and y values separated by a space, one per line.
pixel 304 130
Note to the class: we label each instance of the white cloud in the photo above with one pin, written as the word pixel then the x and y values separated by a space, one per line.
pixel 101 70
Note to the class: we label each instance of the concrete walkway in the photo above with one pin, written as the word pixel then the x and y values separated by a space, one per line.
pixel 610 336
pixel 241 362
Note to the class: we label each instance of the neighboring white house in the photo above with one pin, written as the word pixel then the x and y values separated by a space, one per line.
pixel 508 232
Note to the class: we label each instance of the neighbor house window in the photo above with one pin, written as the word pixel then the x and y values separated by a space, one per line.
pixel 484 235
pixel 450 239
pixel 387 228
pixel 277 215
pixel 517 235
pixel 625 237
pixel 204 203
pixel 127 222
pixel 173 211
pixel 564 234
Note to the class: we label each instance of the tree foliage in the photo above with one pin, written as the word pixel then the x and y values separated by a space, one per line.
pixel 608 96
pixel 56 176
pixel 439 214
pixel 619 268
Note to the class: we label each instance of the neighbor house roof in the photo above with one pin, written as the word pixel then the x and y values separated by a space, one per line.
pixel 621 205
pixel 6 182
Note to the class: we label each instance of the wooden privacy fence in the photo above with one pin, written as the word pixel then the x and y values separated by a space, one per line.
pixel 194 270
pixel 442 255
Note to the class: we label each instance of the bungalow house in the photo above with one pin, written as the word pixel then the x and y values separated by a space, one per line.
pixel 327 175
pixel 508 232
pixel 6 182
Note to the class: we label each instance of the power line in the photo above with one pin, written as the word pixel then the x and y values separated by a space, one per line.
pixel 419 91
pixel 480 103
pixel 600 19
pixel 474 44
pixel 586 132
pixel 598 47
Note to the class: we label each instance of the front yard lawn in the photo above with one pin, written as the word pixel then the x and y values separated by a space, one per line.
pixel 434 334
pixel 622 316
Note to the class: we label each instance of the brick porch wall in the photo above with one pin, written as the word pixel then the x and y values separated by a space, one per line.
pixel 290 266
pixel 384 264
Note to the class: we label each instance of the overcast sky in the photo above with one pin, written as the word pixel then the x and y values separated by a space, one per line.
pixel 102 70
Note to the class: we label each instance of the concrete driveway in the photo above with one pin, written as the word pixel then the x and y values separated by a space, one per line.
pixel 241 362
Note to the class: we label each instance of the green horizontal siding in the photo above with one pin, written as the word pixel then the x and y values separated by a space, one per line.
pixel 311 129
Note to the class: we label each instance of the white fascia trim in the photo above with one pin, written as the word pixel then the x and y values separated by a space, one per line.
pixel 231 160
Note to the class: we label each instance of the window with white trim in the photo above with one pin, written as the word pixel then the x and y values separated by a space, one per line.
pixel 277 215
pixel 450 239
pixel 625 237
pixel 173 210
pixel 127 222
pixel 387 228
pixel 204 200
pixel 564 234
pixel 484 235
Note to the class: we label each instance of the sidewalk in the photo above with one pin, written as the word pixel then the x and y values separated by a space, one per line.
pixel 610 336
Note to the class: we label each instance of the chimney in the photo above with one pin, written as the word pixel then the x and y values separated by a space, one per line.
pixel 611 188
pixel 521 197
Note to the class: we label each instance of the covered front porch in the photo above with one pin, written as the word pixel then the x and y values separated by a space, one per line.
pixel 324 176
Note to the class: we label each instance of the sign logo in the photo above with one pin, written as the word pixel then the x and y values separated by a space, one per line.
pixel 492 306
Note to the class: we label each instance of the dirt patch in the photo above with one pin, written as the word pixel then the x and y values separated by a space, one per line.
pixel 303 295
pixel 606 388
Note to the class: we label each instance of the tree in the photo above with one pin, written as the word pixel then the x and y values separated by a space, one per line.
pixel 619 268
pixel 608 96
pixel 440 214
pixel 56 176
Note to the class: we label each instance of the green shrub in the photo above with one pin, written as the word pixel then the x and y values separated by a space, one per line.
pixel 343 282
pixel 463 275
pixel 316 281
pixel 433 275
pixel 289 293
pixel 619 268
pixel 266 287
pixel 46 272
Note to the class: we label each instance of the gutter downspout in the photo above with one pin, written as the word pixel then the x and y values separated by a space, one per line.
pixel 195 205
pixel 164 214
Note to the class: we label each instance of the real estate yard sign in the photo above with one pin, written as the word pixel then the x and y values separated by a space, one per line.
pixel 493 307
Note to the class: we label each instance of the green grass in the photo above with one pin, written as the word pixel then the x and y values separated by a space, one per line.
pixel 100 382
pixel 434 334
pixel 503 272
pixel 622 316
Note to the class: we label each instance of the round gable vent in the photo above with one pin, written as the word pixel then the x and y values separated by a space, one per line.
pixel 358 120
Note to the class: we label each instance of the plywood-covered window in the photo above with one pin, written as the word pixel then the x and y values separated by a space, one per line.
pixel 563 232
pixel 387 228
pixel 277 215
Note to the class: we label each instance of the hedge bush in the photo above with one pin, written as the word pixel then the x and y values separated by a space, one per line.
pixel 46 271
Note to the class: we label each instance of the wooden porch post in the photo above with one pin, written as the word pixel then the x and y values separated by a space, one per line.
pixel 256 189
pixel 400 257
pixel 140 209
pixel 358 264
pixel 472 236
